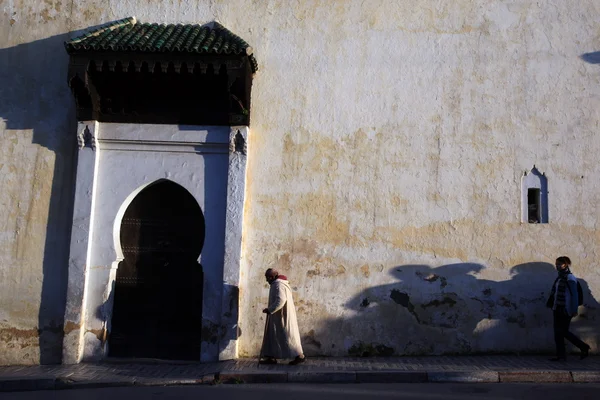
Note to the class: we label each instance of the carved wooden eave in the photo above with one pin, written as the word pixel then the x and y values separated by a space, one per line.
pixel 149 73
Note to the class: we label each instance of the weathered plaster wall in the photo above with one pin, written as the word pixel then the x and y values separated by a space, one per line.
pixel 387 147
pixel 36 118
pixel 400 133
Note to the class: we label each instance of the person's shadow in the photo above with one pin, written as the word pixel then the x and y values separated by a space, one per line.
pixel 587 323
pixel 592 57
pixel 424 312
pixel 517 317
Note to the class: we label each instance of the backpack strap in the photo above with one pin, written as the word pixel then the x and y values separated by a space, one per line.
pixel 578 285
pixel 570 291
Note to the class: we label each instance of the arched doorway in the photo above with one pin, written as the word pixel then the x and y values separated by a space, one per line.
pixel 157 309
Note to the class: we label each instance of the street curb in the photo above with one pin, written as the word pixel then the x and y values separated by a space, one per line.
pixel 248 377
pixel 26 384
pixel 64 384
pixel 251 377
pixel 204 380
pixel 536 376
pixel 463 376
pixel 391 377
pixel 322 377
pixel 586 376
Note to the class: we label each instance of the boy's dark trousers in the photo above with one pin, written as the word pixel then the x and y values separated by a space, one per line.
pixel 561 332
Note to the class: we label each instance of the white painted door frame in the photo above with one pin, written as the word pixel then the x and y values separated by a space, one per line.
pixel 115 162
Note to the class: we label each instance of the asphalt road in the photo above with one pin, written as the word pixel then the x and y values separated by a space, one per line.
pixel 425 391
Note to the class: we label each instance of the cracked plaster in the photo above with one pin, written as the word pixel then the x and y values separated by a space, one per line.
pixel 386 135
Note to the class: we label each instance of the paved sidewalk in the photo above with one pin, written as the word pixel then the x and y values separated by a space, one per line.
pixel 320 369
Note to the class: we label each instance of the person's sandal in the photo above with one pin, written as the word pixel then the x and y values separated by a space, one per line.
pixel 297 360
pixel 268 361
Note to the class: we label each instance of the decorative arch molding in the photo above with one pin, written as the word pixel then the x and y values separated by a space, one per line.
pixel 119 218
pixel 123 209
pixel 207 161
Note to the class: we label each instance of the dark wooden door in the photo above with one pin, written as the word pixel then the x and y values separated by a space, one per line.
pixel 157 310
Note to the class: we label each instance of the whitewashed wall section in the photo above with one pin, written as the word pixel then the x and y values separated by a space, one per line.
pixel 116 162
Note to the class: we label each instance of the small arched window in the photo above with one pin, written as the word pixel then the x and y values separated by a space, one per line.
pixel 534 197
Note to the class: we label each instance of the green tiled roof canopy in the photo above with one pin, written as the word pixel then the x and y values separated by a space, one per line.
pixel 129 35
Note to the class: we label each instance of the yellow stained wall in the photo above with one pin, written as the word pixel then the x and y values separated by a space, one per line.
pixel 388 141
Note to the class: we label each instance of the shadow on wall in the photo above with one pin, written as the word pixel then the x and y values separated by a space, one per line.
pixel 35 102
pixel 449 310
pixel 592 58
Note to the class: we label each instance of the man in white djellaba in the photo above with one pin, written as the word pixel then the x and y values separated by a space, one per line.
pixel 282 337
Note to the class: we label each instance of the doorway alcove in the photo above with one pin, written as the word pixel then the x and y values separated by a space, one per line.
pixel 154 267
pixel 159 282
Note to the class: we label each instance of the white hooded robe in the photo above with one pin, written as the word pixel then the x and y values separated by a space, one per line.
pixel 282 339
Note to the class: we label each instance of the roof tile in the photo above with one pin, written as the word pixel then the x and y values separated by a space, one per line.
pixel 130 35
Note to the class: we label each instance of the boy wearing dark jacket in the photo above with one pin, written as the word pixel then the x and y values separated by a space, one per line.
pixel 564 304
